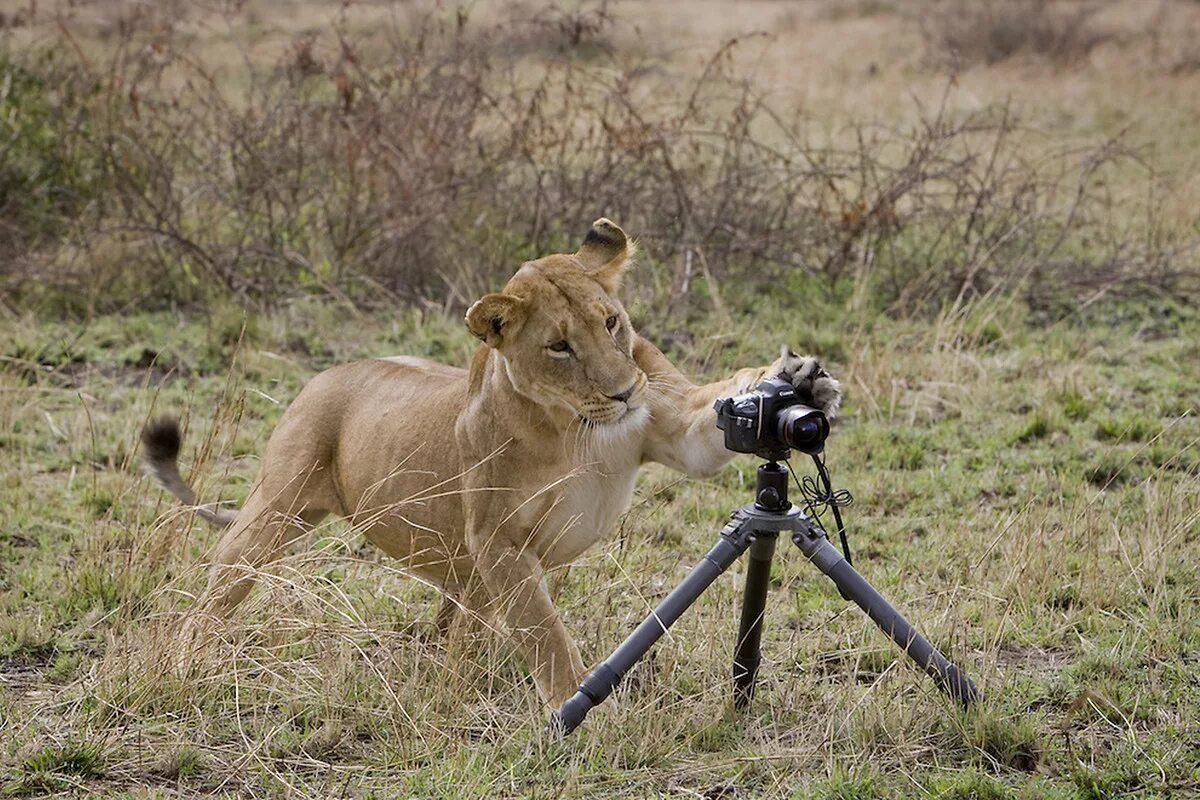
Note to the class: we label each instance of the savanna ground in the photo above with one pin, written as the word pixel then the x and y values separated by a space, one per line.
pixel 980 217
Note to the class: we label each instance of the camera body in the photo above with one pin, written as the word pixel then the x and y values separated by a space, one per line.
pixel 770 420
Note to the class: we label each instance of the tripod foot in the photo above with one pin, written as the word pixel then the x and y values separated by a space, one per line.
pixel 735 538
pixel 815 545
pixel 570 715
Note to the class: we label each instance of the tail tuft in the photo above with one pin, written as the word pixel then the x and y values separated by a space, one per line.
pixel 162 440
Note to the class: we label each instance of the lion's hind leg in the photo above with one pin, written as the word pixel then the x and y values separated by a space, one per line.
pixel 260 535
pixel 265 526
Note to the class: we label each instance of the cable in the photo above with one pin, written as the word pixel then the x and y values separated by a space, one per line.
pixel 817 495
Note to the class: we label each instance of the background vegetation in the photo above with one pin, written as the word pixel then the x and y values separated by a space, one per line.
pixel 980 214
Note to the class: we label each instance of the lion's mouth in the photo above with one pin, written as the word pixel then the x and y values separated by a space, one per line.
pixel 627 414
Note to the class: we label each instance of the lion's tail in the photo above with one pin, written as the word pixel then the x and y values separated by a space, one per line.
pixel 161 441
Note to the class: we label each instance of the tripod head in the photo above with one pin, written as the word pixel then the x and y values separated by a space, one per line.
pixel 771 487
pixel 771 495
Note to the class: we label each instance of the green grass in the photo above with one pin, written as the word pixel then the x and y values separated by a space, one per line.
pixel 57 768
pixel 1028 499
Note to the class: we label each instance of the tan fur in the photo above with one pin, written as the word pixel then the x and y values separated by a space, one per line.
pixel 481 479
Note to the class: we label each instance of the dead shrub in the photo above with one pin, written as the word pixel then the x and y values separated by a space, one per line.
pixel 991 31
pixel 1174 36
pixel 423 173
pixel 48 166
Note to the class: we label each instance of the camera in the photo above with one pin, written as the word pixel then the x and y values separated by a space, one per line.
pixel 770 420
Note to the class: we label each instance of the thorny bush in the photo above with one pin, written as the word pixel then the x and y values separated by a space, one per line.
pixel 425 171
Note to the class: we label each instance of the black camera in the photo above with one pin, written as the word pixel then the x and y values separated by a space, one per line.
pixel 770 420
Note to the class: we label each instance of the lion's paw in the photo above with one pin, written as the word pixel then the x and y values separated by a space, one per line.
pixel 815 386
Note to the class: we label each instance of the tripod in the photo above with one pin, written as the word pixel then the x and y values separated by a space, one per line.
pixel 755 527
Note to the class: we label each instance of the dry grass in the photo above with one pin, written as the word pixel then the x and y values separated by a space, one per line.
pixel 1055 561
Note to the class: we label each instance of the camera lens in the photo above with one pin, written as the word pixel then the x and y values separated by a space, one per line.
pixel 804 429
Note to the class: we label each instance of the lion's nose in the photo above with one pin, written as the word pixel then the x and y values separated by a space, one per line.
pixel 625 395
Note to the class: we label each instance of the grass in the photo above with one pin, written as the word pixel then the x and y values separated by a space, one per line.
pixel 1057 564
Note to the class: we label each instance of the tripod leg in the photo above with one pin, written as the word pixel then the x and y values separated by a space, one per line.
pixel 813 543
pixel 754 604
pixel 604 678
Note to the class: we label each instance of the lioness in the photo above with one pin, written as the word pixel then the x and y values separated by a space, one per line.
pixel 481 479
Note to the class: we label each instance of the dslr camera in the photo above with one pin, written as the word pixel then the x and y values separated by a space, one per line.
pixel 771 420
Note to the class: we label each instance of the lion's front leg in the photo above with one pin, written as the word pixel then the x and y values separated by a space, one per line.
pixel 683 432
pixel 514 579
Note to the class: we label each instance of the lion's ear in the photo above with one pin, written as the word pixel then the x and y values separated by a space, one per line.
pixel 495 317
pixel 605 253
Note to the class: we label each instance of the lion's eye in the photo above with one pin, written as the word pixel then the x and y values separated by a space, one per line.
pixel 611 322
pixel 560 346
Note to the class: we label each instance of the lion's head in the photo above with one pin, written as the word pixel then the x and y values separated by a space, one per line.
pixel 564 335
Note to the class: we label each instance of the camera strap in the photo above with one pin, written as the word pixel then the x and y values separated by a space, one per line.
pixel 818 496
